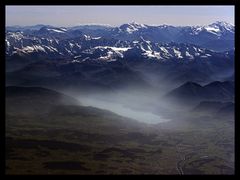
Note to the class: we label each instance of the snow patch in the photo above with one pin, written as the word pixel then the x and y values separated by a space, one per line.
pixel 87 37
pixel 75 57
pixel 189 55
pixel 212 29
pixel 96 37
pixel 164 49
pixel 39 48
pixel 50 48
pixel 177 53
pixel 71 45
pixel 28 49
pixel 57 30
pixel 7 42
pixel 113 48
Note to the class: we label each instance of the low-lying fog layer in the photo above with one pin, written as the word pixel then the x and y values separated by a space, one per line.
pixel 123 110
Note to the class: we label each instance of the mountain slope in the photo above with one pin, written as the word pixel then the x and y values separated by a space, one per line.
pixel 192 93
pixel 215 109
pixel 34 100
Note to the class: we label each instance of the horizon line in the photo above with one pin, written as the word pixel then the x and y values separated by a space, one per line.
pixel 109 25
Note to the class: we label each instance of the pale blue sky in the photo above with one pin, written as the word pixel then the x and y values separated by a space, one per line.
pixel 117 15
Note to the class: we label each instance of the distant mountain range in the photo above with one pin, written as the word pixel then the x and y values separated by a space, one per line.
pixel 128 40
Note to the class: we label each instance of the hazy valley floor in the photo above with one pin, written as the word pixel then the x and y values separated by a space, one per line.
pixel 85 140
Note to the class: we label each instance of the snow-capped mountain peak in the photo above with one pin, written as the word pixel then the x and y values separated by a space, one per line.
pixel 221 25
pixel 217 28
pixel 131 27
pixel 137 25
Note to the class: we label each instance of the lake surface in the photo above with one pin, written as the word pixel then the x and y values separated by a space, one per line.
pixel 120 109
